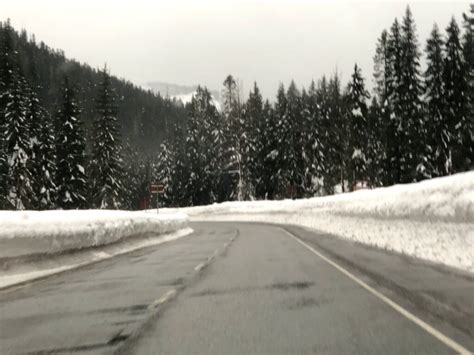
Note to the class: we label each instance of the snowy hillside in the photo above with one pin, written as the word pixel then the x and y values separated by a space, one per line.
pixel 183 93
pixel 431 220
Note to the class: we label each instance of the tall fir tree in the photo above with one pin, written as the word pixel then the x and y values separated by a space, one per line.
pixel 375 144
pixel 437 129
pixel 313 147
pixel 106 168
pixel 282 137
pixel 413 155
pixel 17 143
pixel 455 79
pixel 269 155
pixel 468 51
pixel 70 153
pixel 253 126
pixel 329 180
pixel 337 129
pixel 234 139
pixel 201 185
pixel 358 128
pixel 42 153
pixel 8 70
pixel 293 145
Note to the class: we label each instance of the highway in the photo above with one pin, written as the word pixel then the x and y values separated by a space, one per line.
pixel 244 288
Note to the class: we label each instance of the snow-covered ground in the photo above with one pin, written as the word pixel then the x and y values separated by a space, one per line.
pixel 432 220
pixel 26 233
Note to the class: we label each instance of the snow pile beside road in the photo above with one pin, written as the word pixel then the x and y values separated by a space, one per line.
pixel 431 220
pixel 50 232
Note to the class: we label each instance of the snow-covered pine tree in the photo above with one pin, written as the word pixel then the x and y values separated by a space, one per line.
pixel 313 147
pixel 280 152
pixel 455 93
pixel 381 171
pixel 8 69
pixel 395 137
pixel 375 144
pixel 269 154
pixel 358 128
pixel 468 51
pixel 437 130
pixel 201 185
pixel 70 153
pixel 106 169
pixel 42 154
pixel 164 171
pixel 253 142
pixel 337 133
pixel 382 72
pixel 413 156
pixel 17 145
pixel 234 138
pixel 293 142
pixel 326 137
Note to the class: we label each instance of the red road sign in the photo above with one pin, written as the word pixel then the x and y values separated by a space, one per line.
pixel 157 189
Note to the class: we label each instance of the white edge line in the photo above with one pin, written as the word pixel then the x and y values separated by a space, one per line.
pixel 163 299
pixel 199 267
pixel 428 328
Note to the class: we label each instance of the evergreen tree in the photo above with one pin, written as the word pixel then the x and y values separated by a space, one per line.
pixel 326 136
pixel 410 89
pixel 253 126
pixel 203 115
pixel 283 148
pixel 234 139
pixel 437 130
pixel 468 51
pixel 337 133
pixel 375 144
pixel 293 145
pixel 165 171
pixel 269 154
pixel 17 145
pixel 313 148
pixel 42 155
pixel 106 168
pixel 395 132
pixel 70 153
pixel 382 70
pixel 358 128
pixel 456 95
pixel 8 69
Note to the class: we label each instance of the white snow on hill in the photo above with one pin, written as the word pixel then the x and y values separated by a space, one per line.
pixel 185 98
pixel 432 220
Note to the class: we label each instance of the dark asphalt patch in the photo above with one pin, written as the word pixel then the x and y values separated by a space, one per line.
pixel 299 285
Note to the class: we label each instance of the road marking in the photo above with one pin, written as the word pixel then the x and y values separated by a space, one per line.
pixel 163 299
pixel 428 328
pixel 199 267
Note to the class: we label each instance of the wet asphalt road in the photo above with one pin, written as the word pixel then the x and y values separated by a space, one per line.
pixel 237 288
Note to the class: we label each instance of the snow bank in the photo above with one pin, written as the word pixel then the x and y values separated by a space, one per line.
pixel 432 220
pixel 50 232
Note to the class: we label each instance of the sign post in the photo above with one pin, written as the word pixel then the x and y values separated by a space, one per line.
pixel 158 189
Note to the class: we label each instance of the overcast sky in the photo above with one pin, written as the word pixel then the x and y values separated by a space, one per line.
pixel 201 41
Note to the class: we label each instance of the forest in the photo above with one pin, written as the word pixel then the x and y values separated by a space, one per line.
pixel 76 137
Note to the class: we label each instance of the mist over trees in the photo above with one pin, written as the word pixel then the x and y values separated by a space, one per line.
pixel 75 137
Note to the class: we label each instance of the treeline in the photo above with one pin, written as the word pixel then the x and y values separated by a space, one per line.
pixel 49 107
pixel 326 138
pixel 84 139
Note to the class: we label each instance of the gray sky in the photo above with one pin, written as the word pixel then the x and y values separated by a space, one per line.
pixel 201 41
